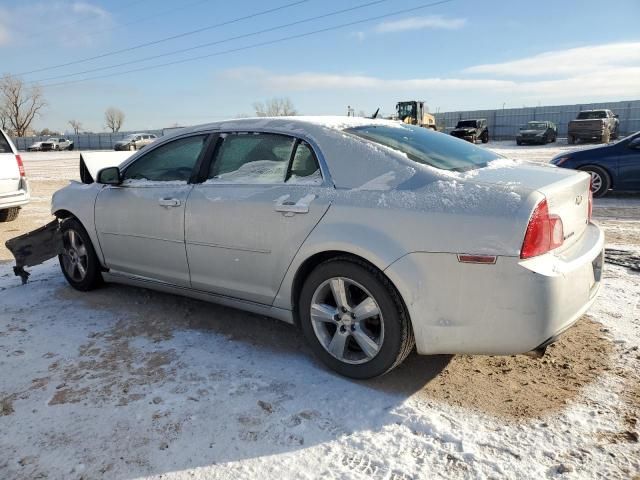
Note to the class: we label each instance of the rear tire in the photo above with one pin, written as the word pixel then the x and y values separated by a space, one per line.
pixel 600 180
pixel 79 262
pixel 518 142
pixel 571 139
pixel 371 335
pixel 9 214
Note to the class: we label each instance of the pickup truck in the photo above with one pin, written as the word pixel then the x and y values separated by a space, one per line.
pixel 599 125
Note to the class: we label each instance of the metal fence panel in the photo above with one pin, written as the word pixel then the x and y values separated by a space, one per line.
pixel 504 123
pixel 85 141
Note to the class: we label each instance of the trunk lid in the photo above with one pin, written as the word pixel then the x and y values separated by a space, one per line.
pixel 566 191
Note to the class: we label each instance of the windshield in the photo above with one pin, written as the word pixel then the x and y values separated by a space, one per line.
pixel 405 110
pixel 534 126
pixel 591 115
pixel 466 124
pixel 429 148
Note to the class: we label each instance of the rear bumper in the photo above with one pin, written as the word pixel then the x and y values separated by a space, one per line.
pixel 16 199
pixel 513 306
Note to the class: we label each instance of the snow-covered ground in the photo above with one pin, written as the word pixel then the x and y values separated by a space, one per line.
pixel 128 383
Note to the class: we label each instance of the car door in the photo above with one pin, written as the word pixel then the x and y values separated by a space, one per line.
pixel 629 165
pixel 246 221
pixel 140 223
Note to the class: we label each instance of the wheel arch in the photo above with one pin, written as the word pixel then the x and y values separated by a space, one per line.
pixel 311 262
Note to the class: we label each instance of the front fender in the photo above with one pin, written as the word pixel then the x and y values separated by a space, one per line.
pixel 79 199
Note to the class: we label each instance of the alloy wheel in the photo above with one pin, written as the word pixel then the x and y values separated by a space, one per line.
pixel 347 320
pixel 596 181
pixel 75 258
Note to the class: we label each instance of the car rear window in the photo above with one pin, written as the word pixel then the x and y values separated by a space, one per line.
pixel 427 147
pixel 4 145
pixel 591 115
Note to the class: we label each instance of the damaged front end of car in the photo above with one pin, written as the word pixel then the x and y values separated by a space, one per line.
pixel 35 247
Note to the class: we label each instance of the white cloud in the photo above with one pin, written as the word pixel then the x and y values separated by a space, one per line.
pixel 571 61
pixel 419 23
pixel 54 23
pixel 623 82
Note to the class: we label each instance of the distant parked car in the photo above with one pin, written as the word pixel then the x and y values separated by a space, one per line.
pixel 612 167
pixel 135 141
pixel 599 125
pixel 35 147
pixel 472 130
pixel 14 188
pixel 55 143
pixel 537 132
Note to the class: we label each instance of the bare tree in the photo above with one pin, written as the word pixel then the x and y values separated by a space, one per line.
pixel 275 107
pixel 76 125
pixel 4 118
pixel 114 119
pixel 20 104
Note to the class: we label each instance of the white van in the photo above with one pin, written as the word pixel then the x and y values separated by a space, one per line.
pixel 14 188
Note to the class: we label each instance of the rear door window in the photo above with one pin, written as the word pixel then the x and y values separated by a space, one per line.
pixel 247 157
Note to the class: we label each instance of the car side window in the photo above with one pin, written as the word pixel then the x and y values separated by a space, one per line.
pixel 304 166
pixel 4 145
pixel 252 158
pixel 173 161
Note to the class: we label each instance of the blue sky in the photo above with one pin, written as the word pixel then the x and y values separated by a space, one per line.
pixel 462 54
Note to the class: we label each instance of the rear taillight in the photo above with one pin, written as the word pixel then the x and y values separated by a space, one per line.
pixel 20 165
pixel 590 212
pixel 544 232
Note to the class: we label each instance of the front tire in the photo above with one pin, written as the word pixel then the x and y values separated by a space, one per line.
pixel 485 137
pixel 9 214
pixel 600 180
pixel 354 319
pixel 79 262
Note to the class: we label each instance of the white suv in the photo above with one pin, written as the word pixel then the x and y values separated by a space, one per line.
pixel 14 188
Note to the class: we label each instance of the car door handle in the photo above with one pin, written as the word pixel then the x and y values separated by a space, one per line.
pixel 169 202
pixel 291 207
pixel 288 207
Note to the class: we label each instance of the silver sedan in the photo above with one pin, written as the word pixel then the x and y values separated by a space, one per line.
pixel 372 236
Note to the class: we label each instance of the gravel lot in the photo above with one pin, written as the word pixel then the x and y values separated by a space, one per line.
pixel 130 383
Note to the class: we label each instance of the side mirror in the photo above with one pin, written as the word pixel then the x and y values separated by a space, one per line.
pixel 110 176
pixel 616 116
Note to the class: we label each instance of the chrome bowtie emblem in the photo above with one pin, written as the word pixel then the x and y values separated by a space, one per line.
pixel 578 199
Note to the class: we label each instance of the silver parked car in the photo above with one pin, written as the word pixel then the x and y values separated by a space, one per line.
pixel 14 188
pixel 370 235
pixel 134 141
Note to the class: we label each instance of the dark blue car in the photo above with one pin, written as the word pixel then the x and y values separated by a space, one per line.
pixel 612 167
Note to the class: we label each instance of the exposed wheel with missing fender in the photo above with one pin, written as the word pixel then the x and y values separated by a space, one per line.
pixel 79 262
pixel 354 319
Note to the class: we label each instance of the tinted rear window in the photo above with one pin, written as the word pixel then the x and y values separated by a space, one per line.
pixel 591 115
pixel 4 145
pixel 427 147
